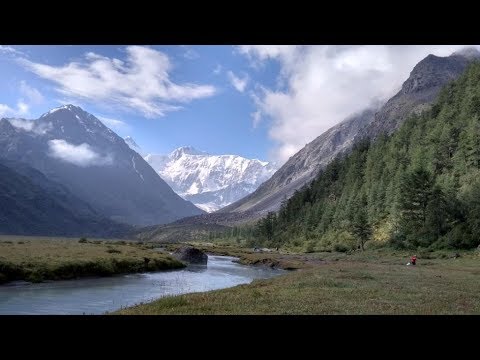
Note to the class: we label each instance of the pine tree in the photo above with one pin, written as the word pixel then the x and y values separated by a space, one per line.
pixel 415 193
pixel 360 226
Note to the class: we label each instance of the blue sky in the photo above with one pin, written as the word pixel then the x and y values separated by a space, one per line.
pixel 220 123
pixel 262 101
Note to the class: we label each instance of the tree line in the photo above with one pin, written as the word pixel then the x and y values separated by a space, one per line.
pixel 419 187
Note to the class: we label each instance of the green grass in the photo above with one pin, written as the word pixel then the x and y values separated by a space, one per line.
pixel 374 282
pixel 37 259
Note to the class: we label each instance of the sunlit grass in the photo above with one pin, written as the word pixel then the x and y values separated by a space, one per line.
pixel 37 259
pixel 374 282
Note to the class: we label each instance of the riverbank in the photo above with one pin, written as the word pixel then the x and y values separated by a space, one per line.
pixel 373 282
pixel 39 259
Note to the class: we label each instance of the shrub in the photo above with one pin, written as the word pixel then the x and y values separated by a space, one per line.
pixel 458 238
pixel 3 278
pixel 338 247
pixel 82 240
pixel 397 241
pixel 310 247
pixel 113 251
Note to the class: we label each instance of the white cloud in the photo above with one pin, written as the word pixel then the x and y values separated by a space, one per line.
pixel 189 53
pixel 9 50
pixel 319 86
pixel 115 124
pixel 257 54
pixel 139 83
pixel 256 116
pixel 30 93
pixel 7 111
pixel 31 125
pixel 238 83
pixel 81 155
pixel 22 124
pixel 23 107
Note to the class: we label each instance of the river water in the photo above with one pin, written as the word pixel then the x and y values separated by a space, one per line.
pixel 99 295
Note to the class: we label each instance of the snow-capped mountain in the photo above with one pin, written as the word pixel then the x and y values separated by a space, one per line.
pixel 74 148
pixel 210 181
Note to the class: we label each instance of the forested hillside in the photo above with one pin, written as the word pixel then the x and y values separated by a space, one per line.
pixel 419 187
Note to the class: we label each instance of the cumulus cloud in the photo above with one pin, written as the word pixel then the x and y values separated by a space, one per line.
pixel 22 109
pixel 5 110
pixel 22 124
pixel 115 124
pixel 319 86
pixel 237 82
pixel 31 125
pixel 81 155
pixel 140 83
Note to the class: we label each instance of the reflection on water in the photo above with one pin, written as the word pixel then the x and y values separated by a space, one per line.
pixel 99 295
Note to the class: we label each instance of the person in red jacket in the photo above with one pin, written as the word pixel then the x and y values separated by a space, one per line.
pixel 413 260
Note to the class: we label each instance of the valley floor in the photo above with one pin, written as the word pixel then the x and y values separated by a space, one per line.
pixel 373 282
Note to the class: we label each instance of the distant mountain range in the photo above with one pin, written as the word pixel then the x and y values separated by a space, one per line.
pixel 71 147
pixel 209 181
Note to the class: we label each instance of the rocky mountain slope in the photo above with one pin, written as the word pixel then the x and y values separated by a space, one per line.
pixel 72 147
pixel 31 204
pixel 417 94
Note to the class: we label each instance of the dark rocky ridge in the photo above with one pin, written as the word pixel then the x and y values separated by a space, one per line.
pixel 31 204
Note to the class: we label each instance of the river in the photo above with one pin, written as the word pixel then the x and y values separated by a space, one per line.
pixel 101 295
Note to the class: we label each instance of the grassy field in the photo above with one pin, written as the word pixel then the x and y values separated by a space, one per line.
pixel 37 259
pixel 374 282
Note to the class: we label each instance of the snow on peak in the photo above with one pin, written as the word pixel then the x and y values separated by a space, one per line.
pixel 133 145
pixel 70 121
pixel 185 150
pixel 210 181
pixel 130 142
pixel 68 107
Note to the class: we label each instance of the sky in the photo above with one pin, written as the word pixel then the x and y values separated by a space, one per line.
pixel 257 101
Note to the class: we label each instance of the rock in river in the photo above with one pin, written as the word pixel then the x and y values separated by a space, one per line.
pixel 191 255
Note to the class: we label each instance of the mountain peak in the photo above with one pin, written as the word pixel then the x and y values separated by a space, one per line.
pixel 468 52
pixel 210 181
pixel 130 142
pixel 187 150
pixel 435 71
pixel 68 107
pixel 71 115
pixel 133 145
